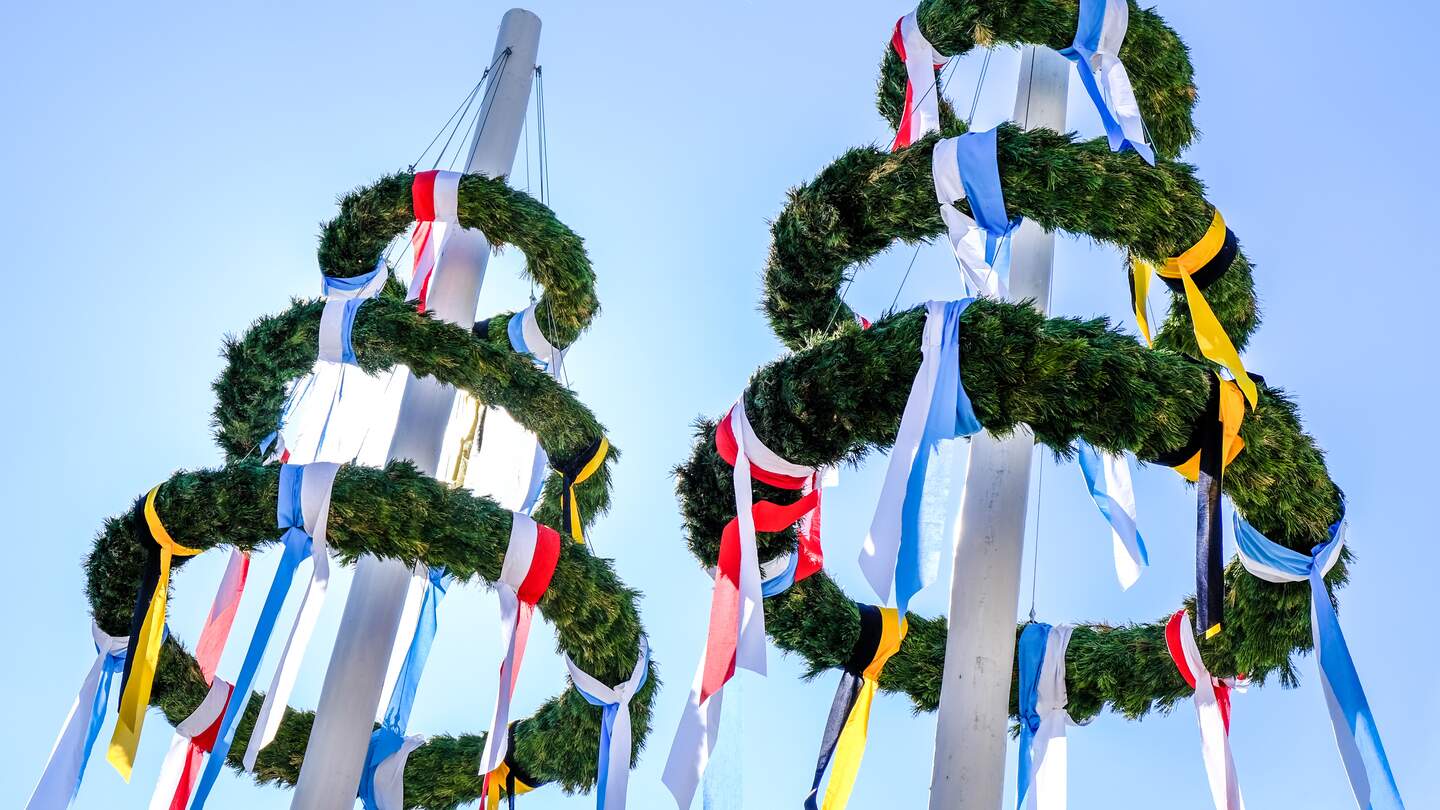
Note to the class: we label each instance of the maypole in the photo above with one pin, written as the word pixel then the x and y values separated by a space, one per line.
pixel 973 717
pixel 345 717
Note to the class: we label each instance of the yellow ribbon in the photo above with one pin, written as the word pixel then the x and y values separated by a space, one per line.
pixel 851 747
pixel 136 698
pixel 498 779
pixel 577 528
pixel 1140 272
pixel 1210 336
pixel 1232 413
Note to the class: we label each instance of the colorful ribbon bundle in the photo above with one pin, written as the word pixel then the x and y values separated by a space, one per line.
pixel 1043 718
pixel 64 770
pixel 435 196
pixel 921 115
pixel 1356 733
pixel 509 778
pixel 882 630
pixel 902 549
pixel 1096 53
pixel 147 633
pixel 574 472
pixel 1212 707
pixel 612 775
pixel 1107 475
pixel 524 577
pixel 966 168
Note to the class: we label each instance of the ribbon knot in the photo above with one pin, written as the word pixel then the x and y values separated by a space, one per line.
pixel 575 471
pixel 435 198
pixel 1099 34
pixel 527 338
pixel 613 767
pixel 966 167
pixel 60 781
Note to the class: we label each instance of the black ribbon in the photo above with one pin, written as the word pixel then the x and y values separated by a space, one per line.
pixel 514 773
pixel 481 330
pixel 569 470
pixel 1208 272
pixel 851 679
pixel 149 580
pixel 1209 542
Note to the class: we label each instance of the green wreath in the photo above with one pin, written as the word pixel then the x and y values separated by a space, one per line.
pixel 840 395
pixel 397 512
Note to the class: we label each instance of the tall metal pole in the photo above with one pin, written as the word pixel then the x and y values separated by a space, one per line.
pixel 973 717
pixel 335 756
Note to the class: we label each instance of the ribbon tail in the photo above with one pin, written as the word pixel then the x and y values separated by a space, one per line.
pixel 1209 548
pixel 847 693
pixel 1214 344
pixel 273 709
pixel 135 695
pixel 851 749
pixel 1141 273
pixel 60 780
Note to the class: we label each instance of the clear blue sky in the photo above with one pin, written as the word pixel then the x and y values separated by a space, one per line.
pixel 165 169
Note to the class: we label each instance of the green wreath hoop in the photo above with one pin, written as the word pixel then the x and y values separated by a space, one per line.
pixel 397 512
pixel 840 395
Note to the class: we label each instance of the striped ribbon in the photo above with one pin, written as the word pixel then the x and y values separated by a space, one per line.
pixel 60 781
pixel 1042 695
pixel 1099 35
pixel 509 778
pixel 1212 709
pixel 435 197
pixel 366 285
pixel 1107 476
pixel 967 167
pixel 612 774
pixel 574 472
pixel 921 115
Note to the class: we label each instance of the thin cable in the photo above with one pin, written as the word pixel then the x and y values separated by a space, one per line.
pixel 1029 88
pixel 463 105
pixel 486 104
pixel 904 278
pixel 1039 497
pixel 543 139
pixel 979 85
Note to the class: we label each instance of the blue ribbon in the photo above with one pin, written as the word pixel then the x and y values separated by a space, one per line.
pixel 516 330
pixel 609 711
pixel 1032 656
pixel 387 739
pixel 975 155
pixel 1088 33
pixel 1094 470
pixel 329 285
pixel 297 547
pixel 347 349
pixel 782 581
pixel 950 416
pixel 1356 734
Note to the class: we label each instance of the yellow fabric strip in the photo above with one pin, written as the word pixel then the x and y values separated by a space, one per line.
pixel 1213 342
pixel 1200 253
pixel 577 526
pixel 851 746
pixel 136 698
pixel 1232 413
pixel 1140 272
pixel 498 778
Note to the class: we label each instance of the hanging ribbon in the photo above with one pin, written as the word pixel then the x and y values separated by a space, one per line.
pixel 367 285
pixel 902 549
pixel 382 783
pixel 882 629
pixel 524 576
pixel 1212 707
pixel 1140 273
pixel 147 633
pixel 435 197
pixel 329 410
pixel 1107 475
pixel 574 472
pixel 1356 733
pixel 1214 444
pixel 508 778
pixel 1191 272
pixel 1096 54
pixel 921 115
pixel 194 738
pixel 1043 718
pixel 301 508
pixel 612 773
pixel 60 781
pixel 966 168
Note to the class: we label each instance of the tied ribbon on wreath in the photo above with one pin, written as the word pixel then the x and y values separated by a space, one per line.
pixel 1099 34
pixel 60 781
pixel 435 197
pixel 967 167
pixel 1212 709
pixel 575 471
pixel 921 115
pixel 612 772
pixel 1042 771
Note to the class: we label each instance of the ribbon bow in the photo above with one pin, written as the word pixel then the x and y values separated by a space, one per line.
pixel 574 472
pixel 1043 718
pixel 60 781
pixel 613 769
pixel 966 168
pixel 1096 53
pixel 921 115
pixel 1107 475
pixel 882 630
pixel 1212 708
pixel 435 196
pixel 902 548
pixel 1356 733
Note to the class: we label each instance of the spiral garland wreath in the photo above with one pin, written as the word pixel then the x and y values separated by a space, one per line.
pixel 396 512
pixel 840 394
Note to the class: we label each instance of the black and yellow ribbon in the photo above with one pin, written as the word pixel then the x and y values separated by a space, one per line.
pixel 147 632
pixel 881 632
pixel 1190 273
pixel 1213 445
pixel 508 779
pixel 574 472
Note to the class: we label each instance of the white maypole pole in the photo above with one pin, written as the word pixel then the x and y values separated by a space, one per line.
pixel 335 756
pixel 972 721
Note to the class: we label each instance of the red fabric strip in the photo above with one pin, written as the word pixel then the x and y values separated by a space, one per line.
pixel 902 132
pixel 422 195
pixel 1177 654
pixel 542 565
pixel 729 450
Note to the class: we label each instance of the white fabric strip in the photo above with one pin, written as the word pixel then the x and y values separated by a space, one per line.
pixel 315 490
pixel 921 60
pixel 204 716
pixel 538 345
pixel 1102 58
pixel 616 781
pixel 1214 739
pixel 694 742
pixel 447 195
pixel 390 775
pixel 1048 775
pixel 1128 558
pixel 67 757
pixel 967 238
pixel 409 615
pixel 518 557
pixel 332 324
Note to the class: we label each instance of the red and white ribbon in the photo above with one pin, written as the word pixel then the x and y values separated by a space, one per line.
pixel 922 97
pixel 529 564
pixel 435 196
pixel 196 734
pixel 1212 706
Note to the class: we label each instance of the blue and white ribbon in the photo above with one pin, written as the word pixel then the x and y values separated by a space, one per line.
pixel 382 784
pixel 1108 477
pixel 60 781
pixel 965 168
pixel 1096 54
pixel 902 549
pixel 363 286
pixel 612 774
pixel 1043 718
pixel 527 338
pixel 1355 731
pixel 301 508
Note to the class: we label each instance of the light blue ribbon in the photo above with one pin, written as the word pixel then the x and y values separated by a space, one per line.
pixel 782 581
pixel 609 711
pixel 950 416
pixel 347 349
pixel 1033 640
pixel 330 285
pixel 387 739
pixel 976 157
pixel 1355 731
pixel 1093 468
pixel 297 547
pixel 1088 33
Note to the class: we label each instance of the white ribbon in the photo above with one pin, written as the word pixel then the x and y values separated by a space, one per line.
pixel 921 61
pixel 967 238
pixel 615 781
pixel 1098 38
pixel 694 742
pixel 1108 477
pixel 518 557
pixel 205 715
pixel 1214 737
pixel 536 343
pixel 390 775
pixel 61 778
pixel 1048 772
pixel 315 503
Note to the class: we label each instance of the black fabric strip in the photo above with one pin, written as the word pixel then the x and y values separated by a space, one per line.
pixel 1211 270
pixel 569 469
pixel 517 772
pixel 1209 567
pixel 872 626
pixel 481 330
pixel 1209 416
pixel 149 579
